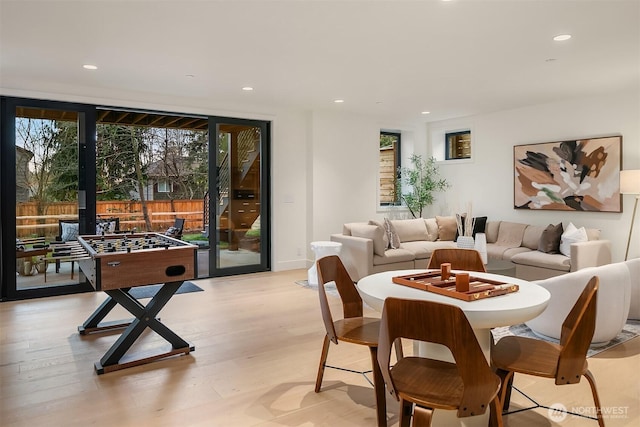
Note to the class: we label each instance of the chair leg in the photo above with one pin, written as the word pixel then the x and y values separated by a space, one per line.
pixel 323 361
pixel 422 416
pixel 495 416
pixel 506 383
pixel 406 410
pixel 596 399
pixel 378 385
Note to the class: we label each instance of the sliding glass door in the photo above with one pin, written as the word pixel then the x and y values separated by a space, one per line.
pixel 238 210
pixel 73 169
pixel 43 154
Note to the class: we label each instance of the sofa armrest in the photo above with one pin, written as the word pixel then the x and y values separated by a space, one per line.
pixel 590 254
pixel 356 255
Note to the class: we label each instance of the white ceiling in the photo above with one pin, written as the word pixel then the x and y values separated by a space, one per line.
pixel 389 58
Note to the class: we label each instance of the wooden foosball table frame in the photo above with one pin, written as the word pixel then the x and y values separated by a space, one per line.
pixel 116 273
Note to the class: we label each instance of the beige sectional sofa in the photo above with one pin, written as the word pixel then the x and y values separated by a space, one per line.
pixel 367 247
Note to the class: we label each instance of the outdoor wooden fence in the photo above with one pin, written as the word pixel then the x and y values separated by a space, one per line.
pixel 162 214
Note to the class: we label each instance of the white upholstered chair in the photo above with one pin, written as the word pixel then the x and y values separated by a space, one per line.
pixel 618 299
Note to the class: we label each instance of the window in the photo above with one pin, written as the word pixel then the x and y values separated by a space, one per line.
pixel 388 169
pixel 165 186
pixel 458 145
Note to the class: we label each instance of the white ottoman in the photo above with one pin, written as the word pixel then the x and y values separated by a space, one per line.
pixel 322 249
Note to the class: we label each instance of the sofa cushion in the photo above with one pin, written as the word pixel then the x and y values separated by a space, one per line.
pixel 432 229
pixel 593 234
pixel 372 232
pixel 550 239
pixel 394 239
pixel 447 227
pixel 543 260
pixel 571 235
pixel 491 230
pixel 346 227
pixel 423 249
pixel 392 256
pixel 510 234
pixel 495 251
pixel 411 230
pixel 531 237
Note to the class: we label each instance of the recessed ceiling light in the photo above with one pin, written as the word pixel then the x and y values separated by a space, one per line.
pixel 247 88
pixel 426 112
pixel 338 101
pixel 89 67
pixel 562 37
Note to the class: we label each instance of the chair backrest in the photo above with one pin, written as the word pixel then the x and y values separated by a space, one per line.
pixel 331 269
pixel 441 324
pixel 576 334
pixel 179 224
pixel 460 259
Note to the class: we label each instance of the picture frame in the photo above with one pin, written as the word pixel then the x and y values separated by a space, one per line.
pixel 571 175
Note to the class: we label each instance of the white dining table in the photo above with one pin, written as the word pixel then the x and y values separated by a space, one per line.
pixel 483 314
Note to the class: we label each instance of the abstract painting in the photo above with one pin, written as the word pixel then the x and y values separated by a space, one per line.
pixel 578 175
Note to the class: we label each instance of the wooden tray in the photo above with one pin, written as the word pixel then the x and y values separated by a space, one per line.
pixel 478 288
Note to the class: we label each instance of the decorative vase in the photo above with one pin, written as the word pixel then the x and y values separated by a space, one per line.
pixel 25 268
pixel 481 246
pixel 465 242
pixel 41 266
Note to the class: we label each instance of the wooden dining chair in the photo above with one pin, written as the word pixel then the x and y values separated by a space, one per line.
pixel 566 361
pixel 353 327
pixel 423 385
pixel 460 259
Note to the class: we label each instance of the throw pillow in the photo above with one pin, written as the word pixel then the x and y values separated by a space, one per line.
pixel 432 229
pixel 447 227
pixel 572 235
pixel 70 231
pixel 410 230
pixel 372 232
pixel 550 239
pixel 385 236
pixel 394 239
pixel 479 225
pixel 106 227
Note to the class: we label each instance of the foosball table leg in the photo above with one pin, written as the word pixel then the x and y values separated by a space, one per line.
pixel 93 323
pixel 145 317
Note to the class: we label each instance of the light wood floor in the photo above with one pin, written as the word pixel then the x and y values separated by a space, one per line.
pixel 257 341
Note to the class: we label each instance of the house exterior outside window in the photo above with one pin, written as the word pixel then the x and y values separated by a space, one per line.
pixel 164 186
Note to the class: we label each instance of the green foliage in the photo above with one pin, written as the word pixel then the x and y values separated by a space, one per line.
pixel 424 180
pixel 252 233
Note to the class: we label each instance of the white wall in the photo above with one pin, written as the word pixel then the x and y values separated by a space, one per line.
pixel 325 165
pixel 487 180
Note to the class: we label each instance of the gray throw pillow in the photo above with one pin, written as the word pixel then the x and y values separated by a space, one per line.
pixel 550 239
pixel 70 231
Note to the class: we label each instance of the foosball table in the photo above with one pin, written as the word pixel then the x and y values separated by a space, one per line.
pixel 117 263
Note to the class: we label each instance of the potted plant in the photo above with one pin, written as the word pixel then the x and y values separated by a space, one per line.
pixel 422 180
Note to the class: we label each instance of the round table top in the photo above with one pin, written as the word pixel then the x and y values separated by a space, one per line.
pixel 504 310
